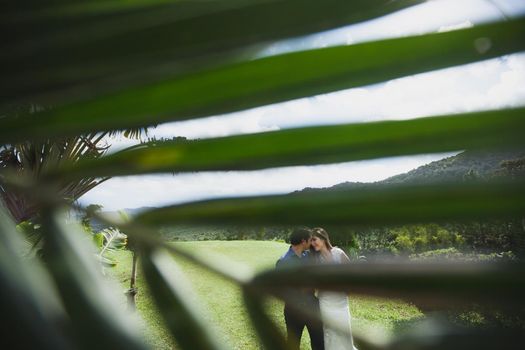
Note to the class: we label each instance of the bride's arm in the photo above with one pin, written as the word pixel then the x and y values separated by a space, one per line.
pixel 344 258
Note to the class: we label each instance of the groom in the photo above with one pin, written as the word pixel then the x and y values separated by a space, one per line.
pixel 298 255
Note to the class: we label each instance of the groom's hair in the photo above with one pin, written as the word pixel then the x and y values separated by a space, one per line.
pixel 300 234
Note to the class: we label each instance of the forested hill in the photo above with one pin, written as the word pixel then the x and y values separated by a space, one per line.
pixel 464 166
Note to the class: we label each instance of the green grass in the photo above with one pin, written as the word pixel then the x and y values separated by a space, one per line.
pixel 223 304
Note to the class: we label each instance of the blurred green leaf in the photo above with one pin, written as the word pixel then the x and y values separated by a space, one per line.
pixel 437 284
pixel 271 337
pixel 175 302
pixel 32 314
pixel 86 48
pixel 269 80
pixel 88 299
pixel 315 145
pixel 370 205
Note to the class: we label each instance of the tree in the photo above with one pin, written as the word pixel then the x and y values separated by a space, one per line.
pixel 89 212
pixel 30 160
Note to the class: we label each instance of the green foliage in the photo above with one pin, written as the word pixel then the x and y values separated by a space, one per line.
pixel 224 232
pixel 98 238
pixel 493 235
pixel 453 254
pixel 481 237
pixel 418 238
pixel 89 213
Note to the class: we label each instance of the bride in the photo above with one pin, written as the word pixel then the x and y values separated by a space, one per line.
pixel 334 306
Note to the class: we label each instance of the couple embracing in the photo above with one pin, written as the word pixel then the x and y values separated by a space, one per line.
pixel 312 246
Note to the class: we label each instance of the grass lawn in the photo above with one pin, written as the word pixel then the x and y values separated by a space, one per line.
pixel 223 302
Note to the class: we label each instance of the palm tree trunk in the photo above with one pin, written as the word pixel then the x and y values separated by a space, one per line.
pixel 132 291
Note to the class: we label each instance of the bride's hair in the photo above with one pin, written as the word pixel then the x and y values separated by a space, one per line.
pixel 321 233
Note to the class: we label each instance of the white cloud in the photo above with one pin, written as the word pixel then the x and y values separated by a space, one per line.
pixel 510 88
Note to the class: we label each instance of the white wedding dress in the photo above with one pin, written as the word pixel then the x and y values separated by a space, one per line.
pixel 335 310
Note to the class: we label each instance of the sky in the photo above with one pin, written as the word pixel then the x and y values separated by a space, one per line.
pixel 484 85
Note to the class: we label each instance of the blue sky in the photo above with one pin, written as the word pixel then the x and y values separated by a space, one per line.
pixel 484 85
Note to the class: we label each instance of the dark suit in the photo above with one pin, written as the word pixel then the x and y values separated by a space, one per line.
pixel 295 321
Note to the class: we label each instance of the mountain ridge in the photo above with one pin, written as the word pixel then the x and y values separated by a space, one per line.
pixel 466 165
